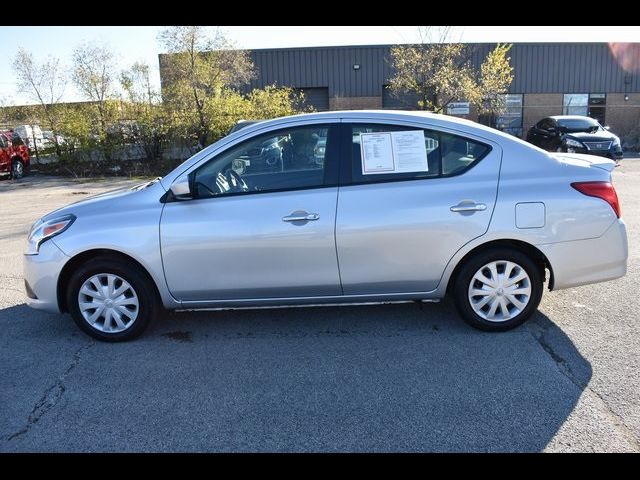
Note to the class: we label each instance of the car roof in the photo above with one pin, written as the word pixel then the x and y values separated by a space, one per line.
pixel 421 116
pixel 572 117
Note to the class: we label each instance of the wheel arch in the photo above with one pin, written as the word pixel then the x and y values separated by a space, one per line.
pixel 528 249
pixel 74 263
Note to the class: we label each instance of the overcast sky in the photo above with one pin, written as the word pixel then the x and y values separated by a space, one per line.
pixel 140 43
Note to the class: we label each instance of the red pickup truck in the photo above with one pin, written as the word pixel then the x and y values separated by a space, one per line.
pixel 14 155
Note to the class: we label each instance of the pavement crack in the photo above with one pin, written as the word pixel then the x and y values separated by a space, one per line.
pixel 564 367
pixel 51 395
pixel 616 420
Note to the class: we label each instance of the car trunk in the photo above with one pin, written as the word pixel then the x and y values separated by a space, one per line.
pixel 582 160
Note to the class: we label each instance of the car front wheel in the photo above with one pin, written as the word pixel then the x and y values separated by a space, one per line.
pixel 499 289
pixel 111 299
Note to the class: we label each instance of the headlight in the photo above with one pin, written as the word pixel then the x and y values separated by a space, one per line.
pixel 41 231
pixel 569 142
pixel 616 142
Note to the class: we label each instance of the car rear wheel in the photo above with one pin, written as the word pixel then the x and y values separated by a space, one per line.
pixel 111 300
pixel 498 289
pixel 17 169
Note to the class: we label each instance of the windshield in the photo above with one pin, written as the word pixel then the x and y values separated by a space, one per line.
pixel 579 125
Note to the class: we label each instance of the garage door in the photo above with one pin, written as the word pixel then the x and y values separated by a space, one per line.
pixel 407 101
pixel 318 98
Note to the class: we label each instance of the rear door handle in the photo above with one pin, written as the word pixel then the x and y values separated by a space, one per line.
pixel 301 217
pixel 468 207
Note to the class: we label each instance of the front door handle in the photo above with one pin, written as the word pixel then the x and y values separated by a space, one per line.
pixel 301 217
pixel 468 207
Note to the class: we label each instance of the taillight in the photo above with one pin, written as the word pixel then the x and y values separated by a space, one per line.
pixel 603 190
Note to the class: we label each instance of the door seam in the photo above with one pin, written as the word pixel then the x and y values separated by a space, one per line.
pixel 335 239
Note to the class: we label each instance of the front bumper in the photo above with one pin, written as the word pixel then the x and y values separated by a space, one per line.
pixel 593 260
pixel 41 274
pixel 612 153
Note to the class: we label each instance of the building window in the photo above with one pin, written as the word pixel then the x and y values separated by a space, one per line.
pixel 510 120
pixel 598 106
pixel 576 104
pixel 587 104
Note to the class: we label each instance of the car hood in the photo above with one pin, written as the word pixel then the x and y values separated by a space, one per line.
pixel 110 200
pixel 584 160
pixel 599 136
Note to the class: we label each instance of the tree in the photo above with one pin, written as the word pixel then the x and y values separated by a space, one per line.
pixel 261 103
pixel 201 68
pixel 496 74
pixel 94 65
pixel 145 108
pixel 440 72
pixel 45 83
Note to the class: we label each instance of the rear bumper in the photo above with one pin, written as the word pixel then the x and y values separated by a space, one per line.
pixel 593 260
pixel 41 274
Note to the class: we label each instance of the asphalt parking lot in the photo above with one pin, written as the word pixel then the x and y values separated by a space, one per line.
pixel 370 378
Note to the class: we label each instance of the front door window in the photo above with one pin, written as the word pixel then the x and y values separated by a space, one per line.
pixel 282 160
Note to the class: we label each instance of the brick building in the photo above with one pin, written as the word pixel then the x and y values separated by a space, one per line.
pixel 549 79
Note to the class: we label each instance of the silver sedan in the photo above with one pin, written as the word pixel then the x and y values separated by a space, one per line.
pixel 356 207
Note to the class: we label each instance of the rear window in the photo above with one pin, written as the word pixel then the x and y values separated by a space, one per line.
pixel 442 154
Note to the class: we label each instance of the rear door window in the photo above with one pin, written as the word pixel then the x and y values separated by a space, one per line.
pixel 442 154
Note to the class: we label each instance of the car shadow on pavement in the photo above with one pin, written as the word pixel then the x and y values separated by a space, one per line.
pixel 407 377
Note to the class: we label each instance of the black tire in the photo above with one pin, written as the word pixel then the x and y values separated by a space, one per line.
pixel 469 269
pixel 17 169
pixel 149 304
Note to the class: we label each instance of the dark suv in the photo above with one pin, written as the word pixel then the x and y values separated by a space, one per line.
pixel 14 155
pixel 575 134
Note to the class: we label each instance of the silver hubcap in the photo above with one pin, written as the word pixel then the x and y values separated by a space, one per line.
pixel 499 291
pixel 17 169
pixel 108 303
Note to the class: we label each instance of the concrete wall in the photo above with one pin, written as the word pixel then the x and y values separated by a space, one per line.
pixel 354 103
pixel 539 105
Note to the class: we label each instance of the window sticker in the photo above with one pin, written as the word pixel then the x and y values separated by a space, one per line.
pixel 393 152
pixel 377 153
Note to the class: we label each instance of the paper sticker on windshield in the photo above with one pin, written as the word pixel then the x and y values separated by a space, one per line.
pixel 393 152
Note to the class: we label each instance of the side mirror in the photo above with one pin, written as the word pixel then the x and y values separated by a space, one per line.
pixel 180 188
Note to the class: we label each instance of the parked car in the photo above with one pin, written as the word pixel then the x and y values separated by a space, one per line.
pixel 29 134
pixel 14 155
pixel 575 134
pixel 404 206
pixel 278 153
pixel 50 139
pixel 240 124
